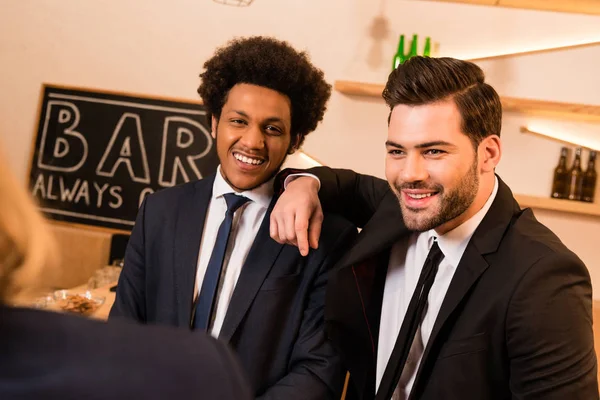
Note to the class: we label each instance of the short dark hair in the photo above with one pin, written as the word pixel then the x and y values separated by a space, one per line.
pixel 270 63
pixel 425 80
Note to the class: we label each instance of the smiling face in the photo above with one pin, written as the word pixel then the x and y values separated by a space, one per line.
pixel 434 169
pixel 253 135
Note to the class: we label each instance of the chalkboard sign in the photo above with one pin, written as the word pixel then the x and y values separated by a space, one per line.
pixel 98 154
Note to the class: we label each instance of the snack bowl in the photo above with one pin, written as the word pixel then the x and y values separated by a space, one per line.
pixel 77 302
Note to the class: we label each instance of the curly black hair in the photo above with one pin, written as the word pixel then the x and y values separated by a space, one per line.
pixel 270 63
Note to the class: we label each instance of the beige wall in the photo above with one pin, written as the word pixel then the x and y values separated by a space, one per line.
pixel 157 48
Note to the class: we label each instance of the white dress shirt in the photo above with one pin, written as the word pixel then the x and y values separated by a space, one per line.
pixel 405 265
pixel 246 223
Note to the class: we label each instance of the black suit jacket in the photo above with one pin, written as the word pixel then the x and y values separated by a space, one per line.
pixel 516 322
pixel 45 355
pixel 275 320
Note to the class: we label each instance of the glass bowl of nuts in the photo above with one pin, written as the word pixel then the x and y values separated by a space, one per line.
pixel 77 302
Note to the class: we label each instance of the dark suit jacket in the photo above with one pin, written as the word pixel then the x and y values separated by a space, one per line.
pixel 45 355
pixel 275 320
pixel 516 322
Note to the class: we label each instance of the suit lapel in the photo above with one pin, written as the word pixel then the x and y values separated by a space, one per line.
pixel 188 233
pixel 485 240
pixel 361 274
pixel 352 311
pixel 260 260
pixel 470 268
pixel 372 291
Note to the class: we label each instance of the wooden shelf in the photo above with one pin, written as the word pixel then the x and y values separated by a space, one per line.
pixel 569 6
pixel 552 109
pixel 548 109
pixel 568 206
pixel 359 88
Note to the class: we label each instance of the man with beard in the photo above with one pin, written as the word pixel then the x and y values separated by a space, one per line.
pixel 451 290
pixel 200 255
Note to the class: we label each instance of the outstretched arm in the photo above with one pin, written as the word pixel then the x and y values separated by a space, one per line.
pixel 297 216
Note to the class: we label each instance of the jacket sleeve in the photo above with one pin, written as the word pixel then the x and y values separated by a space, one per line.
pixel 130 300
pixel 315 367
pixel 549 335
pixel 354 196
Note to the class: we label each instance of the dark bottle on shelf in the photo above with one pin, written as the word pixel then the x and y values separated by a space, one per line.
pixel 561 176
pixel 575 177
pixel 589 179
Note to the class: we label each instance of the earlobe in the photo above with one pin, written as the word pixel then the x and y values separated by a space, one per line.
pixel 491 149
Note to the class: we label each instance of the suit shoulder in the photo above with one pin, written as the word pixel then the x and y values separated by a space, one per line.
pixel 538 241
pixel 172 195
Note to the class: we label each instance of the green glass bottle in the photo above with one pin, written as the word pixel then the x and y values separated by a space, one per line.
pixel 399 56
pixel 413 47
pixel 427 48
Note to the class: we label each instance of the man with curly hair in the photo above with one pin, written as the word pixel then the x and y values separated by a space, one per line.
pixel 200 254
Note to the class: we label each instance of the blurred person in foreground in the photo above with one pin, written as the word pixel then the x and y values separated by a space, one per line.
pixel 47 355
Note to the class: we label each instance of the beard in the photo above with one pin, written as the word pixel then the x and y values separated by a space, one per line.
pixel 451 203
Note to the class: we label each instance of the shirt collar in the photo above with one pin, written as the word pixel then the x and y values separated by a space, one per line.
pixel 454 242
pixel 261 195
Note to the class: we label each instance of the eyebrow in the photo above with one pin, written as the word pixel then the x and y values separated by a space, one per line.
pixel 243 114
pixel 390 143
pixel 268 120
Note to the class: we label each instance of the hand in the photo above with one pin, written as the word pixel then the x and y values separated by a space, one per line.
pixel 297 216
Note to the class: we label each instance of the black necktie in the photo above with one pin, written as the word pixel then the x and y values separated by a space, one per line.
pixel 206 298
pixel 412 320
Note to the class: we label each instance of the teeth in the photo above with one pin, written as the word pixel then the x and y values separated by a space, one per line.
pixel 419 196
pixel 248 160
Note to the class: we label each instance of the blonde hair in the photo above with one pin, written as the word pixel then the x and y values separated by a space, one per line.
pixel 28 252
